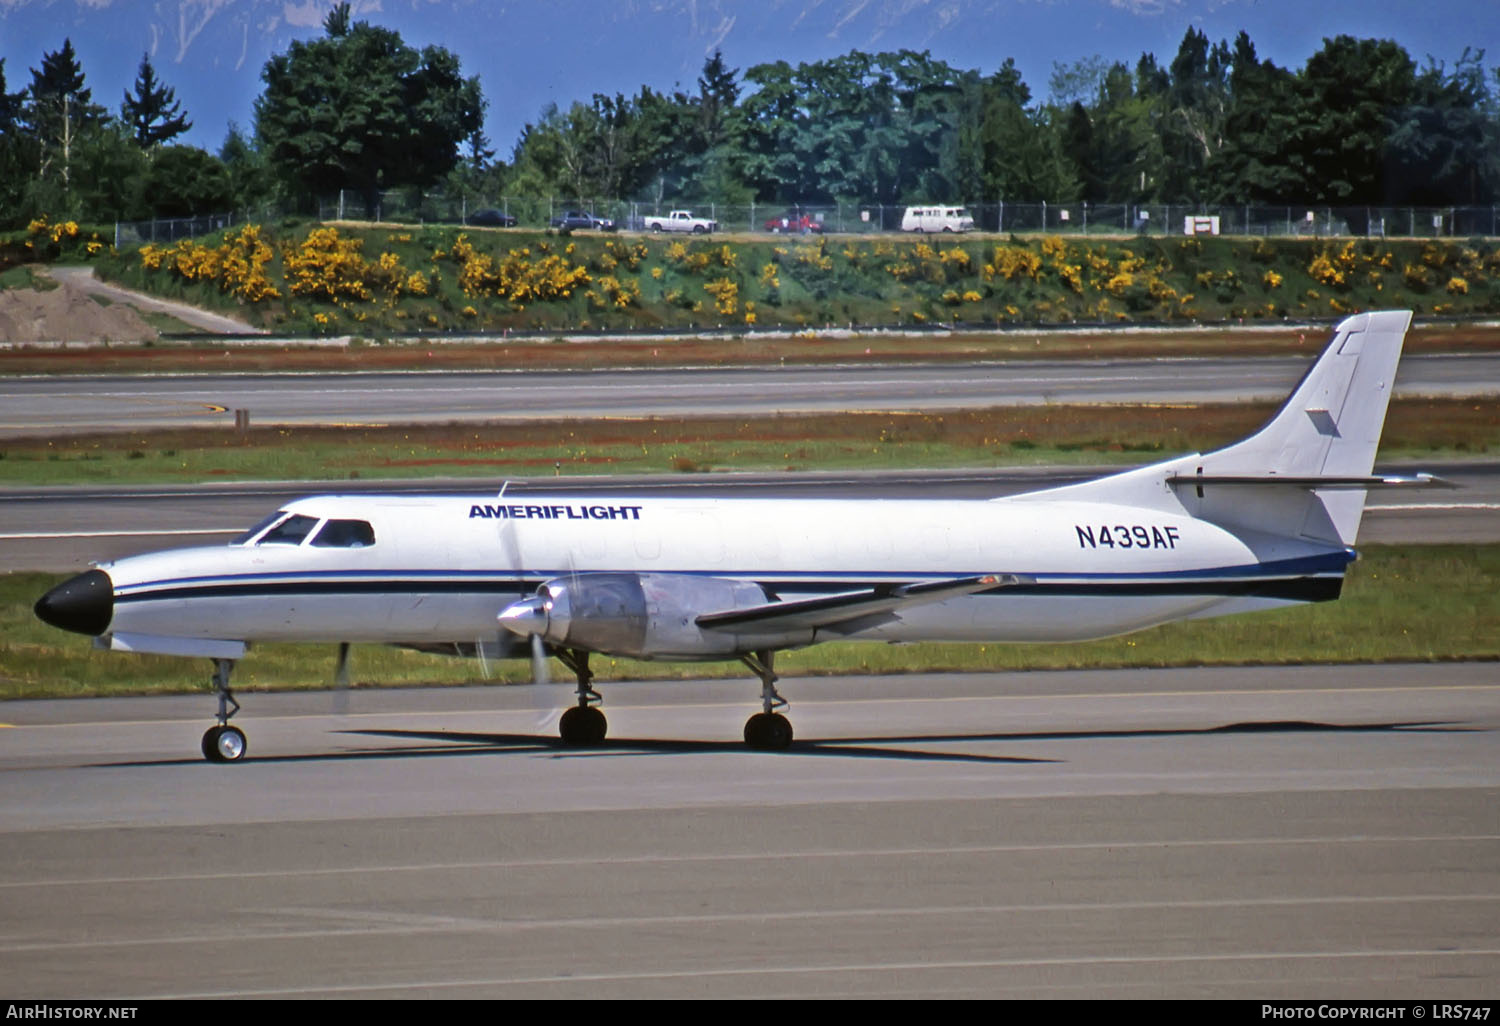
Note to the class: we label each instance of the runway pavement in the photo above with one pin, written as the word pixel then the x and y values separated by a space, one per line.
pixel 51 405
pixel 1250 833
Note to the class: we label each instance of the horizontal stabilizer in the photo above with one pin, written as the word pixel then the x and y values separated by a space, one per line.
pixel 1312 481
pixel 830 610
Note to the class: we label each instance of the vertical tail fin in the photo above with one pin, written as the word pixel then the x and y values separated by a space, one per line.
pixel 1304 473
pixel 1330 426
pixel 1328 429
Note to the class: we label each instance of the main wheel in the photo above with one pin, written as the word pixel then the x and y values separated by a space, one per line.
pixel 583 725
pixel 768 732
pixel 224 744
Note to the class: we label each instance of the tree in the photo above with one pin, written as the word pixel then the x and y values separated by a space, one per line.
pixel 12 106
pixel 1442 146
pixel 1348 96
pixel 1195 104
pixel 1256 163
pixel 184 180
pixel 16 156
pixel 109 172
pixel 152 113
pixel 360 109
pixel 59 109
pixel 250 181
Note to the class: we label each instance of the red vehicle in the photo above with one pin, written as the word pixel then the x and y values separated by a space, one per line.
pixel 793 223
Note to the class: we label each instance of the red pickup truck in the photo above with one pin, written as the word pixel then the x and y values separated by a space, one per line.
pixel 793 223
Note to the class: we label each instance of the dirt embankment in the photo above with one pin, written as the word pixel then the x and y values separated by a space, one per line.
pixel 82 309
pixel 67 314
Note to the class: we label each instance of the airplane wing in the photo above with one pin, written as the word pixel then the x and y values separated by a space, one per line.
pixel 832 610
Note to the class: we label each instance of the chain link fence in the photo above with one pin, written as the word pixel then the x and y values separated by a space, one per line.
pixel 1084 219
pixel 170 229
pixel 853 218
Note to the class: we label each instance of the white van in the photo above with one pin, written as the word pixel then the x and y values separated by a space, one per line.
pixel 937 219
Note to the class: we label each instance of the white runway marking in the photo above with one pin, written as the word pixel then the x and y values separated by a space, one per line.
pixel 818 853
pixel 143 532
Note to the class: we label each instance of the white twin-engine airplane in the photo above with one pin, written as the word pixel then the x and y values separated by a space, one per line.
pixel 1266 522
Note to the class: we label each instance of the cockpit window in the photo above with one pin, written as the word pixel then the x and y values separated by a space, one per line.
pixel 345 534
pixel 249 536
pixel 290 531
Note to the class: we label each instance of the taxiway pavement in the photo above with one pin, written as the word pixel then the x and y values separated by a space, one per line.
pixel 1265 833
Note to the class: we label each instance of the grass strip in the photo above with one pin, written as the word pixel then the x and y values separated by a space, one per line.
pixel 1407 603
pixel 1003 436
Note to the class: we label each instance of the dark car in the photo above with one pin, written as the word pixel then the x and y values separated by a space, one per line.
pixel 491 219
pixel 572 220
pixel 793 223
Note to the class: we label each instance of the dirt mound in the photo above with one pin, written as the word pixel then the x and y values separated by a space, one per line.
pixel 67 314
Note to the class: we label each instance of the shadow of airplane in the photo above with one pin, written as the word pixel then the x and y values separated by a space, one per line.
pixel 457 743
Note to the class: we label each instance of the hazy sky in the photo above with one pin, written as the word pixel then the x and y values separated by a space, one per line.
pixel 532 52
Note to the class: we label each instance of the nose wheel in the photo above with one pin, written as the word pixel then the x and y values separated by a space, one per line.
pixel 221 742
pixel 224 744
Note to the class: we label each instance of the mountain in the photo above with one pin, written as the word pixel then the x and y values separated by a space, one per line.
pixel 529 53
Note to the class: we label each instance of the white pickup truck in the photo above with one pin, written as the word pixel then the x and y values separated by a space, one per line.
pixel 680 221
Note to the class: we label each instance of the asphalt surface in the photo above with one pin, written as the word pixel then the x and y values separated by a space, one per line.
pixel 1238 833
pixel 53 405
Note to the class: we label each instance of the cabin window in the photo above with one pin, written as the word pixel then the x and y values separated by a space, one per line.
pixel 290 531
pixel 345 534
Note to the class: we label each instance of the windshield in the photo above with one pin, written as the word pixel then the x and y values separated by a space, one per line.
pixel 249 535
pixel 290 531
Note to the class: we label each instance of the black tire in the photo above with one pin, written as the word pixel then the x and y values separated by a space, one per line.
pixel 583 725
pixel 211 744
pixel 224 744
pixel 768 732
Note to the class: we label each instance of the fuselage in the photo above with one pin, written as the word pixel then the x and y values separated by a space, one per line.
pixel 437 569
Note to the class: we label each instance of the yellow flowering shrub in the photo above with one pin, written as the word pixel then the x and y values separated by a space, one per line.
pixel 237 265
pixel 1012 262
pixel 328 266
pixel 725 293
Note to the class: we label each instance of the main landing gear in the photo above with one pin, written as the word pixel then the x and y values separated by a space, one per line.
pixel 767 730
pixel 584 724
pixel 223 743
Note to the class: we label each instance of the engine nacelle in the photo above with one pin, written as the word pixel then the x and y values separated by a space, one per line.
pixel 642 616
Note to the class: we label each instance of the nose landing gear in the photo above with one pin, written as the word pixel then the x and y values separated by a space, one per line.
pixel 222 742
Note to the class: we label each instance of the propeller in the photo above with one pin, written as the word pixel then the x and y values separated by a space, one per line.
pixel 341 681
pixel 540 673
pixel 545 700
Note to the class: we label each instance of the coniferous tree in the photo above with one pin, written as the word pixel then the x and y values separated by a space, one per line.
pixel 16 160
pixel 152 112
pixel 59 109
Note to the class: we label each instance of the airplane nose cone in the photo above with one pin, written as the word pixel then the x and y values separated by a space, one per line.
pixel 84 604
